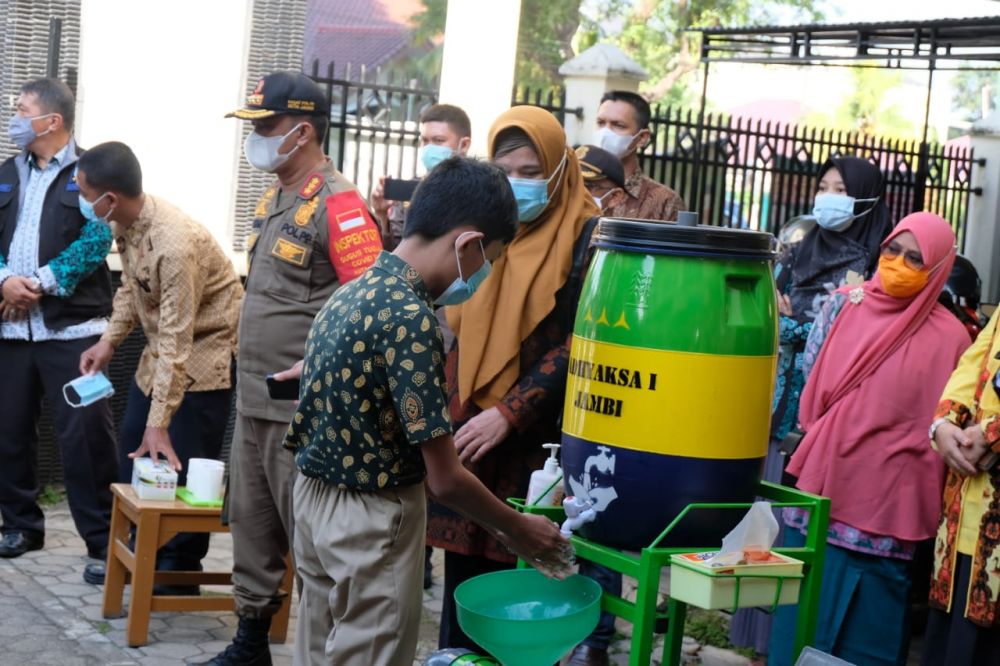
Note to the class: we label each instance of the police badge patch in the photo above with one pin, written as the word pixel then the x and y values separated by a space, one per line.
pixel 306 211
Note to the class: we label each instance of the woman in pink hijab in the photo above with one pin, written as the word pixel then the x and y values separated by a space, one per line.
pixel 877 359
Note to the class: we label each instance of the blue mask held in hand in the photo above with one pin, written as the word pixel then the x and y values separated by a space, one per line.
pixel 87 209
pixel 835 212
pixel 432 154
pixel 87 390
pixel 532 194
pixel 461 289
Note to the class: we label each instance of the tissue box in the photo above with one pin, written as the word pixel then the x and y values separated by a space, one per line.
pixel 704 586
pixel 153 480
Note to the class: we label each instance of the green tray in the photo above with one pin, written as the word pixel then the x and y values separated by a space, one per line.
pixel 185 495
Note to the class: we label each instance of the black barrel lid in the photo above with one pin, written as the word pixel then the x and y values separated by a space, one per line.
pixel 618 233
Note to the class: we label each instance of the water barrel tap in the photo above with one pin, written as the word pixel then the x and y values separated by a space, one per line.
pixel 578 512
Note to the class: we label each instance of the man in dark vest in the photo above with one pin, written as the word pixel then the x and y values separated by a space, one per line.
pixel 55 298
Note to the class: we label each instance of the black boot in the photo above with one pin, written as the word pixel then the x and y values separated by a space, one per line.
pixel 249 646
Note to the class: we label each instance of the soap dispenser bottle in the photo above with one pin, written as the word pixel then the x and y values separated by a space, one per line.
pixel 546 486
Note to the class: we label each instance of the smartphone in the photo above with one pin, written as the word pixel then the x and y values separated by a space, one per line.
pixel 399 190
pixel 282 390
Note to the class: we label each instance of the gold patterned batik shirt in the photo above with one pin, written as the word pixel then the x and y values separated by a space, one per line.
pixel 373 384
pixel 647 200
pixel 177 284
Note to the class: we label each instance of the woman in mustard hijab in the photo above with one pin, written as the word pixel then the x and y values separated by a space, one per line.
pixel 507 369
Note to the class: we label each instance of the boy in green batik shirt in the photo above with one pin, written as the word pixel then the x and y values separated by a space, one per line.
pixel 372 424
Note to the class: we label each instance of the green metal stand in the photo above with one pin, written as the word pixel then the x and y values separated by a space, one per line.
pixel 647 565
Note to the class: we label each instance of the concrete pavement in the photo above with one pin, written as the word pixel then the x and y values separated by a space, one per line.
pixel 48 615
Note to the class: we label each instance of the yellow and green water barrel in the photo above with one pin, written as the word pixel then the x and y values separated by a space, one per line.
pixel 671 374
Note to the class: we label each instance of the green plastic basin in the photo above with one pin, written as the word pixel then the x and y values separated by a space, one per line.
pixel 526 619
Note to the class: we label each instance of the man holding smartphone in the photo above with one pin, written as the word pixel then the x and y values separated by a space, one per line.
pixel 311 233
pixel 445 130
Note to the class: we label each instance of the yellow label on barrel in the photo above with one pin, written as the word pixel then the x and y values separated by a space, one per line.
pixel 654 400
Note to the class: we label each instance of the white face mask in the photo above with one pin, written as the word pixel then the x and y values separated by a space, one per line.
pixel 262 151
pixel 611 141
pixel 600 200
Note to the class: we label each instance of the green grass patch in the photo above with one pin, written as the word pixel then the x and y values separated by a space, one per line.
pixel 102 627
pixel 51 495
pixel 710 627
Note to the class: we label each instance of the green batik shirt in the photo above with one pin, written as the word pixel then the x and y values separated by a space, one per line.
pixel 373 385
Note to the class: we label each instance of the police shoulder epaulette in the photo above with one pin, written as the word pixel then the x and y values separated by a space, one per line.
pixel 312 185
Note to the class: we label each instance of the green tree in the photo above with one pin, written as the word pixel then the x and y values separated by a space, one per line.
pixel 969 88
pixel 867 108
pixel 654 33
pixel 544 40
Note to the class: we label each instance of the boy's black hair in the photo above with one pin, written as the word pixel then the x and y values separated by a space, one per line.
pixel 112 167
pixel 462 191
pixel 637 102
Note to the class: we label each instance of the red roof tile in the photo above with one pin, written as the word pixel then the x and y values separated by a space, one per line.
pixel 359 32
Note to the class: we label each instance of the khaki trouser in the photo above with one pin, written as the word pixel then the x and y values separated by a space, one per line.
pixel 361 558
pixel 261 475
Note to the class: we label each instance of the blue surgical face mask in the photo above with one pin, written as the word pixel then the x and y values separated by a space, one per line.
pixel 461 289
pixel 432 154
pixel 87 390
pixel 87 209
pixel 835 212
pixel 21 131
pixel 532 194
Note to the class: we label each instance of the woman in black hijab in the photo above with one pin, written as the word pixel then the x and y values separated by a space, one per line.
pixel 825 256
pixel 843 247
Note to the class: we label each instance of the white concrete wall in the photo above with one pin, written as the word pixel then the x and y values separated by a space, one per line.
pixel 477 72
pixel 160 76
pixel 982 241
pixel 585 92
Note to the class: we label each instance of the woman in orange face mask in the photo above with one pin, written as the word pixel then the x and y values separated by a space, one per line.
pixel 876 362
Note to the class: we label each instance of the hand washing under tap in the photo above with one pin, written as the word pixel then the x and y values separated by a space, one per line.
pixel 578 512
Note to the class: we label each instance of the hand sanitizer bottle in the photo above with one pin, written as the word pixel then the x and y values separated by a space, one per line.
pixel 547 480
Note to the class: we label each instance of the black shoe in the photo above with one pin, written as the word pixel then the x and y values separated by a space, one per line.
pixel 584 655
pixel 428 572
pixel 249 647
pixel 16 544
pixel 93 573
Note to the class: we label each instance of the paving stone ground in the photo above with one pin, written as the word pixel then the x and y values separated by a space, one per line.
pixel 48 615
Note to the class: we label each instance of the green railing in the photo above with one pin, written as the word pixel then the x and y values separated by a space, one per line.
pixel 647 565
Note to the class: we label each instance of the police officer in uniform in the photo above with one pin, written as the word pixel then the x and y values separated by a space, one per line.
pixel 311 232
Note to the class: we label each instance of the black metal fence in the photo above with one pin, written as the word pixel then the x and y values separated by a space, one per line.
pixel 374 121
pixel 735 172
pixel 756 174
pixel 552 100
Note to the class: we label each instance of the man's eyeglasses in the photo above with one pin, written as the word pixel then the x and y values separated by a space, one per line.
pixel 911 258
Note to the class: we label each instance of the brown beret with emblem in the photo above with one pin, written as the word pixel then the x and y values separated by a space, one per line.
pixel 284 93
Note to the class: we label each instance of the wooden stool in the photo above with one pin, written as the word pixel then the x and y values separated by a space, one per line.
pixel 156 522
